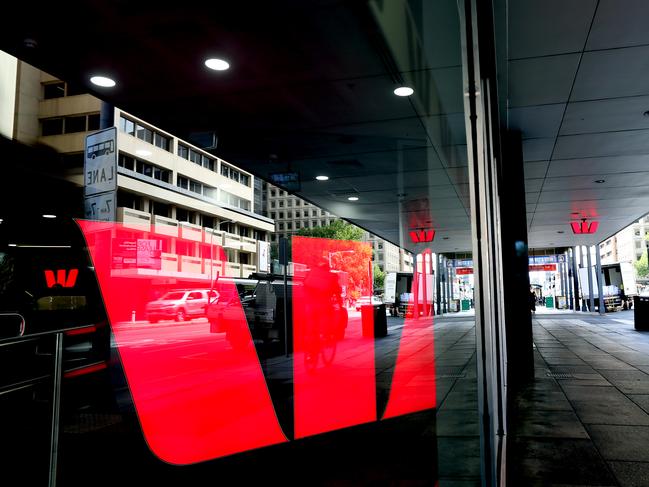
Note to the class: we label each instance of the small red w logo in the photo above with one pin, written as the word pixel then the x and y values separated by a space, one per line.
pixel 61 279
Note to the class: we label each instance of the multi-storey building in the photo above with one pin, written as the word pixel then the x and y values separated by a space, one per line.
pixel 627 245
pixel 291 213
pixel 163 183
pixel 388 256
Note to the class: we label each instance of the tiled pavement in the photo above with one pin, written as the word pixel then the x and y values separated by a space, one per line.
pixel 585 418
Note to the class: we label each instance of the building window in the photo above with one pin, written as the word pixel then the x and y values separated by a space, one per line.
pixel 207 163
pixel 52 126
pixel 272 193
pixel 289 202
pixel 93 122
pixel 224 170
pixel 280 225
pixel 289 214
pixel 162 141
pixel 297 214
pixel 281 203
pixel 314 224
pixel 126 125
pixel 272 204
pixel 194 156
pixel 75 124
pixel 144 133
pixel 281 215
pixel 183 151
pixel 182 182
pixel 272 215
pixel 297 225
pixel 53 90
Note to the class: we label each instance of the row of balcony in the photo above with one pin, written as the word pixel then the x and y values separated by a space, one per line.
pixel 140 220
pixel 208 268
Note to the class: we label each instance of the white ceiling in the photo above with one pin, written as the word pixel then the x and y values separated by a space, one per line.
pixel 578 91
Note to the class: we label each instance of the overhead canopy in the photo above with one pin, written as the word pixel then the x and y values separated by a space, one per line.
pixel 310 90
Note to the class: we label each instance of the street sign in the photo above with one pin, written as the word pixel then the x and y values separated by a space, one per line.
pixel 100 207
pixel 264 256
pixel 100 166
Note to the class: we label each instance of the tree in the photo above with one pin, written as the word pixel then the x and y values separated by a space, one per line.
pixel 379 277
pixel 642 266
pixel 338 230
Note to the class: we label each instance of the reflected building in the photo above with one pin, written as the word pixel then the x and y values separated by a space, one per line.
pixel 163 182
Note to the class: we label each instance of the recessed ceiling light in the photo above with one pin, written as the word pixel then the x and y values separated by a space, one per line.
pixel 217 64
pixel 142 152
pixel 49 215
pixel 560 231
pixel 404 91
pixel 12 245
pixel 444 238
pixel 322 178
pixel 102 81
pixel 600 181
pixel 353 198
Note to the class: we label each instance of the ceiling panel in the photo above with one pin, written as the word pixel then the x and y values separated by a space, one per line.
pixel 611 181
pixel 598 165
pixel 536 121
pixel 619 23
pixel 535 170
pixel 533 22
pixel 590 194
pixel 613 114
pixel 538 149
pixel 612 74
pixel 533 185
pixel 606 144
pixel 541 81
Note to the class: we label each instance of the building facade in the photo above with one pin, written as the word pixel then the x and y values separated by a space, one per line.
pixel 628 245
pixel 164 183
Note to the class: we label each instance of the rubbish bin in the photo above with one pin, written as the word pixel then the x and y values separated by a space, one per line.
pixel 549 301
pixel 641 312
pixel 466 305
pixel 374 322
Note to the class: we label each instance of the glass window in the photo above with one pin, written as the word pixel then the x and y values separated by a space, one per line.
pixel 162 141
pixel 148 170
pixel 245 179
pixel 209 192
pixel 183 151
pixel 195 187
pixel 182 182
pixel 289 214
pixel 144 133
pixel 53 90
pixel 126 126
pixel 272 215
pixel 75 124
pixel 195 157
pixel 272 193
pixel 280 225
pixel 52 126
pixel 289 225
pixel 93 121
pixel 281 204
pixel 234 174
pixel 314 212
pixel 224 170
pixel 208 163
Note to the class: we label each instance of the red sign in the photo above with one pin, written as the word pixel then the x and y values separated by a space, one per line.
pixel 584 227
pixel 61 279
pixel 462 271
pixel 543 267
pixel 422 235
pixel 218 403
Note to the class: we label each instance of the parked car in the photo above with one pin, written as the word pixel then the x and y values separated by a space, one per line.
pixel 180 305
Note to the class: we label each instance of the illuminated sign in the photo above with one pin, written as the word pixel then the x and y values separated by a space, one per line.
pixel 460 271
pixel 418 236
pixel 584 227
pixel 61 279
pixel 543 267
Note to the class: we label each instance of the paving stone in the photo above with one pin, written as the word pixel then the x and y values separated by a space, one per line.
pixel 549 424
pixel 631 474
pixel 623 443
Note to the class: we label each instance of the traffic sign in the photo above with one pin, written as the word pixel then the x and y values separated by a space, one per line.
pixel 100 166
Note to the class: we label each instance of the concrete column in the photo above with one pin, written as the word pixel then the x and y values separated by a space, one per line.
pixel 591 297
pixel 575 280
pixel 600 284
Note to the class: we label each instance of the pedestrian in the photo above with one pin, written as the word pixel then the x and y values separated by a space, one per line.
pixel 532 300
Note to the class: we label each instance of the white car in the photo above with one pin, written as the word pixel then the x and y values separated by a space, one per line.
pixel 181 305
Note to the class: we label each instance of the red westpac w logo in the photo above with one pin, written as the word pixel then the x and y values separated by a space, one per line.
pixel 61 280
pixel 202 395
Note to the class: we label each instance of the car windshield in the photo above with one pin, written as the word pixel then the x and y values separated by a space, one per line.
pixel 173 296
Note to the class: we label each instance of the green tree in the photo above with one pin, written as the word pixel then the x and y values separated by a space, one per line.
pixel 642 266
pixel 338 230
pixel 379 277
